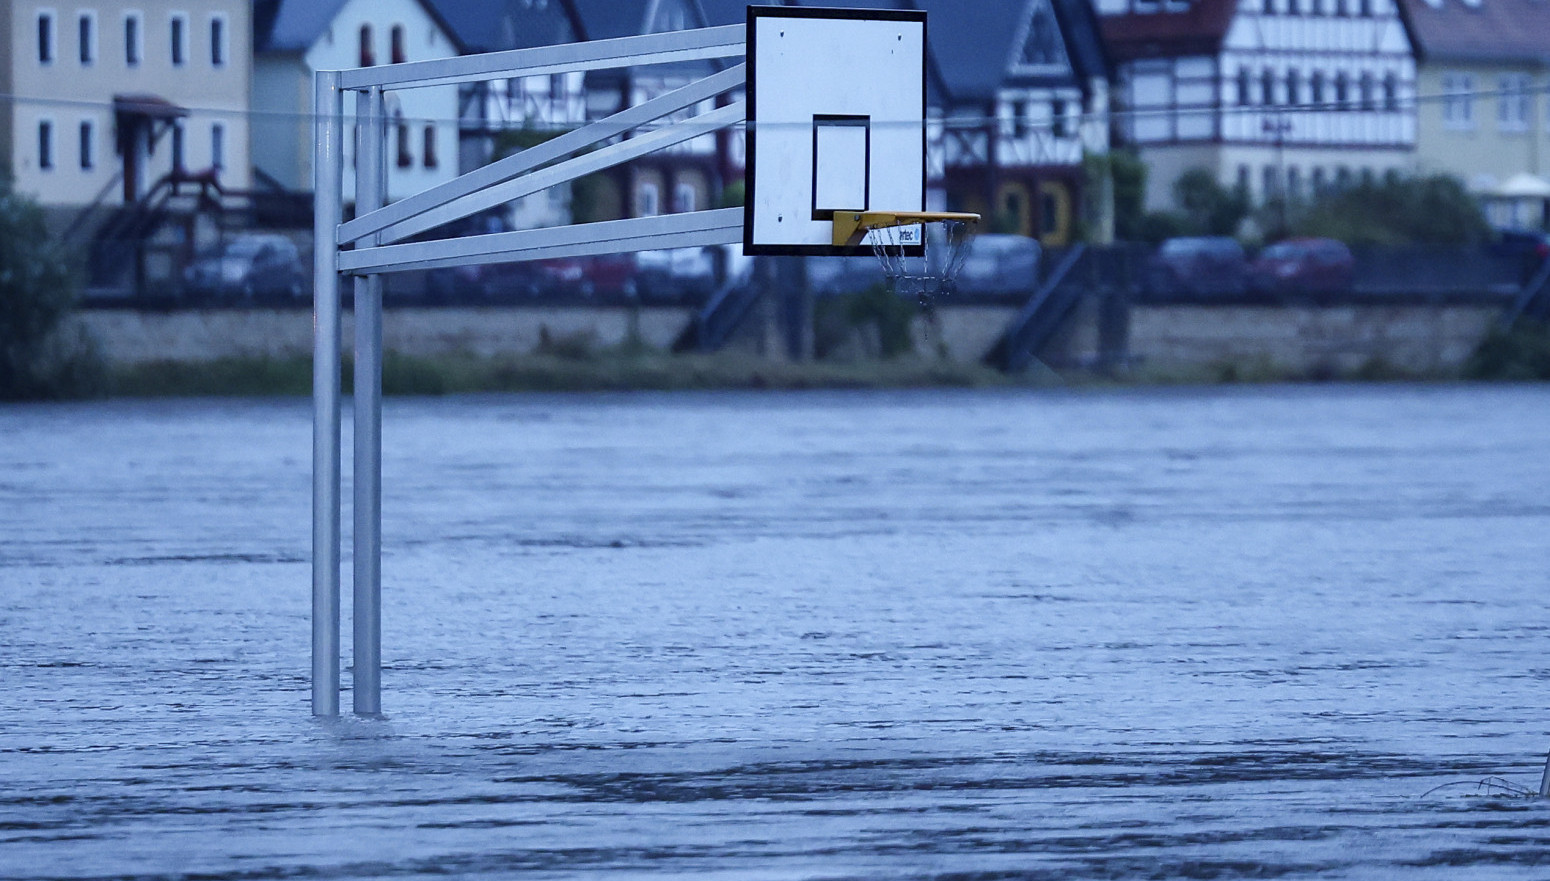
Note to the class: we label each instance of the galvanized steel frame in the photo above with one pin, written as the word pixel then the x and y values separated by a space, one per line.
pixel 372 235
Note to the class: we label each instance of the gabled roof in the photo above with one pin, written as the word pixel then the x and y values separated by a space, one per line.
pixel 295 25
pixel 1510 31
pixel 975 52
pixel 1198 30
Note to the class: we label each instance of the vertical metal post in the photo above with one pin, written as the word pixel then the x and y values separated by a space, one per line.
pixel 370 194
pixel 327 170
pixel 1544 780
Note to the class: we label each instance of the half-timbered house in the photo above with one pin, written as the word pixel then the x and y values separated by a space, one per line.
pixel 1277 97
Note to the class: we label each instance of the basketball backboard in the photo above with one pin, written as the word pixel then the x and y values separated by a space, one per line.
pixel 836 122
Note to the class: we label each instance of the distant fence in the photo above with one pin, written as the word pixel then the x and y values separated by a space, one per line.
pixel 1422 273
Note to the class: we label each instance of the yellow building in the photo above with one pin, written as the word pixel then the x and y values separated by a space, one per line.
pixel 1485 114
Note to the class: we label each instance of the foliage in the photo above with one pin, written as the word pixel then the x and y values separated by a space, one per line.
pixel 37 291
pixel 1397 211
pixel 733 195
pixel 1522 353
pixel 1129 175
pixel 881 318
pixel 1208 207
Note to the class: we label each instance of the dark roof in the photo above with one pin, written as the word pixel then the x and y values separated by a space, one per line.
pixel 494 25
pixel 973 52
pixel 291 25
pixel 295 25
pixel 1196 31
pixel 1514 31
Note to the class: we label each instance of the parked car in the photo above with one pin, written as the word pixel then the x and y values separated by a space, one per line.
pixel 249 267
pixel 999 264
pixel 604 276
pixel 1303 266
pixel 1202 265
pixel 676 275
pixel 1527 248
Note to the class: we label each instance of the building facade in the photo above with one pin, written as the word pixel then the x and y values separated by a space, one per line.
pixel 1485 118
pixel 1277 97
pixel 296 38
pixel 109 99
pixel 1022 99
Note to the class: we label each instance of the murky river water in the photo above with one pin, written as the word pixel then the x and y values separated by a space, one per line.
pixel 1178 633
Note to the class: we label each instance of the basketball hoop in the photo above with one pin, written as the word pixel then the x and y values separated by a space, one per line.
pixel 920 251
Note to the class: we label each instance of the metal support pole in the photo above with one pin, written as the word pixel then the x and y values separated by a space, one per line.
pixel 328 158
pixel 370 194
pixel 1544 780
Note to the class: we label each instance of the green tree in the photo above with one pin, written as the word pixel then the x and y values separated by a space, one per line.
pixel 1129 174
pixel 37 291
pixel 1208 207
pixel 1434 210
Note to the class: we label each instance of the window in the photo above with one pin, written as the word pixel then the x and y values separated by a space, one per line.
pixel 217 145
pixel 87 160
pixel 1340 7
pixel 1390 92
pixel 1061 111
pixel 86 31
pixel 1243 179
pixel 648 200
pixel 1365 8
pixel 685 198
pixel 1268 7
pixel 1512 102
pixel 396 44
pixel 1245 90
pixel 1293 87
pixel 179 40
pixel 177 146
pixel 1368 96
pixel 1458 103
pixel 218 41
pixel 401 130
pixel 45 38
pixel 1316 88
pixel 1271 182
pixel 45 145
pixel 1319 184
pixel 1342 91
pixel 132 39
pixel 428 149
pixel 1293 7
pixel 1293 182
pixel 1267 88
pixel 368 55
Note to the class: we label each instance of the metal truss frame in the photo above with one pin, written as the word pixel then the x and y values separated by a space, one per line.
pixel 371 244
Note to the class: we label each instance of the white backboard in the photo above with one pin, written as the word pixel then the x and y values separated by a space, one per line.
pixel 836 121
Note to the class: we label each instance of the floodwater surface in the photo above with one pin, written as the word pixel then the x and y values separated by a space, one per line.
pixel 1244 633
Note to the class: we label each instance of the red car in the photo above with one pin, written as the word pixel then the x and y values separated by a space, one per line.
pixel 607 276
pixel 1303 266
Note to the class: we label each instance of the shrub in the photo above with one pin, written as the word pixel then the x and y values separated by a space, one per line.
pixel 37 291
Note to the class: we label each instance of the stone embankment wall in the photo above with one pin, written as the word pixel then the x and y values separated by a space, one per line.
pixel 1427 339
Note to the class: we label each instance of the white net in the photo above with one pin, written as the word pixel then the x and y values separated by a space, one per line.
pixel 922 260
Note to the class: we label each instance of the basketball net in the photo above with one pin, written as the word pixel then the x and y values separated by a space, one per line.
pixel 932 269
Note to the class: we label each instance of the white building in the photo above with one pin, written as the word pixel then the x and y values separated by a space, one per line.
pixel 296 38
pixel 105 100
pixel 1275 96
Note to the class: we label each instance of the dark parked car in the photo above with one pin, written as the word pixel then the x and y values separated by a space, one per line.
pixel 999 264
pixel 1205 265
pixel 1527 248
pixel 1303 266
pixel 249 267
